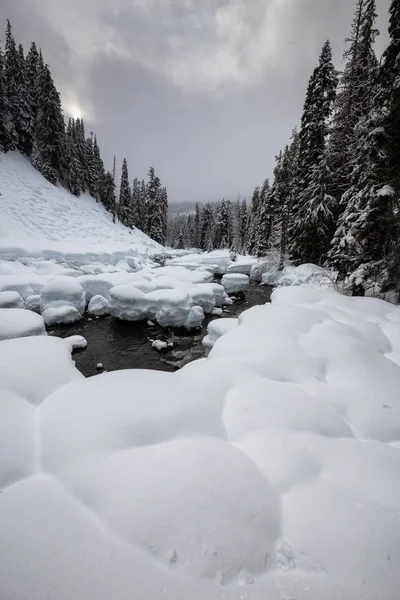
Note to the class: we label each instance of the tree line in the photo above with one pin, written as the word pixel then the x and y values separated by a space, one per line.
pixel 334 197
pixel 32 121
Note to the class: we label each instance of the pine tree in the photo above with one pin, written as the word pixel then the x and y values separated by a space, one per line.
pixel 73 177
pixel 313 163
pixel 207 221
pixel 255 201
pixel 243 224
pixel 11 81
pixel 164 213
pixel 107 192
pixel 365 245
pixel 49 137
pixel 222 237
pixel 98 168
pixel 6 138
pixel 196 226
pixel 125 195
pixel 152 209
pixel 24 121
pixel 91 167
pixel 353 101
pixel 32 70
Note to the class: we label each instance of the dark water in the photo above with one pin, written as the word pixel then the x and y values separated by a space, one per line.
pixel 123 345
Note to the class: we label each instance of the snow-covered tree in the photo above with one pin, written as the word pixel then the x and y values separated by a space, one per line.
pixel 49 136
pixel 6 137
pixel 222 233
pixel 242 226
pixel 312 161
pixel 125 196
pixel 73 170
pixel 197 227
pixel 207 228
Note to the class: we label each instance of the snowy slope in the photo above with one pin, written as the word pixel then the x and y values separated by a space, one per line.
pixel 38 218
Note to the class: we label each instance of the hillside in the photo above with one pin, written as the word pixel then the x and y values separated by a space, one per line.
pixel 38 218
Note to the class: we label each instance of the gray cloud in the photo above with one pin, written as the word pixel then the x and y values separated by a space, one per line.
pixel 205 91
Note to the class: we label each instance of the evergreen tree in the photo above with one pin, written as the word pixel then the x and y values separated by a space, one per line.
pixel 98 168
pixel 91 167
pixel 196 227
pixel 73 177
pixel 137 210
pixel 125 195
pixel 353 101
pixel 222 237
pixel 6 137
pixel 32 71
pixel 243 224
pixel 164 213
pixel 24 121
pixel 255 201
pixel 49 138
pixel 313 163
pixel 11 81
pixel 154 218
pixel 107 192
pixel 207 222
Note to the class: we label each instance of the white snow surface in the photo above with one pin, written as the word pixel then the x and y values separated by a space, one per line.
pixel 216 329
pixel 235 282
pixel 269 470
pixel 18 322
pixel 39 219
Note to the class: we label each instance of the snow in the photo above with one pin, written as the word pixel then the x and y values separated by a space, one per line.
pixel 142 482
pixel 11 300
pixel 99 306
pixel 65 315
pixel 217 329
pixel 291 275
pixel 18 322
pixel 39 219
pixel 159 345
pixel 63 291
pixel 235 282
pixel 76 342
pixel 217 262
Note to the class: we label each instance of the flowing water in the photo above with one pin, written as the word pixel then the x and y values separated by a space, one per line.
pixel 124 345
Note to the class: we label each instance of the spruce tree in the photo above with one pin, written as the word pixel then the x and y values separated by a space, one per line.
pixel 313 188
pixel 91 167
pixel 6 137
pixel 222 238
pixel 243 224
pixel 24 120
pixel 255 201
pixel 107 192
pixel 49 137
pixel 196 227
pixel 207 226
pixel 353 101
pixel 11 81
pixel 125 196
pixel 73 171
pixel 32 70
pixel 152 208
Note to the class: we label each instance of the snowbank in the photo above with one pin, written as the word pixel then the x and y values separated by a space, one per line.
pixel 269 468
pixel 235 282
pixel 217 262
pixel 18 322
pixel 217 329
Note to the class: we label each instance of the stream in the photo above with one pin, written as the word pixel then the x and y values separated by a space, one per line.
pixel 119 344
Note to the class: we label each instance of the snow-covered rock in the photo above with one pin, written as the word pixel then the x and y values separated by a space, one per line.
pixel 76 342
pixel 159 345
pixel 33 303
pixel 243 265
pixel 61 315
pixel 217 329
pixel 128 303
pixel 18 322
pixel 235 282
pixel 99 306
pixel 62 292
pixel 11 300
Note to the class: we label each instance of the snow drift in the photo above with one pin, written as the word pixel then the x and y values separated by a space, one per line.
pixel 268 470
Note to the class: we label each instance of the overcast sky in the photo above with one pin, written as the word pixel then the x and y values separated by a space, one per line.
pixel 206 91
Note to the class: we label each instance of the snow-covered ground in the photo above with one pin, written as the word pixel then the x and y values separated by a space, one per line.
pixel 269 470
pixel 43 221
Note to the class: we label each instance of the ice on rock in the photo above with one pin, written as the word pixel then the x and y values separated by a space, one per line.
pixel 11 300
pixel 235 282
pixel 18 322
pixel 217 329
pixel 99 306
pixel 61 292
pixel 65 315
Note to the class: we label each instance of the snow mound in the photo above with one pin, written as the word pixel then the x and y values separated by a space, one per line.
pixel 18 322
pixel 99 306
pixel 11 300
pixel 39 219
pixel 217 262
pixel 268 470
pixel 235 282
pixel 217 329
pixel 63 291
